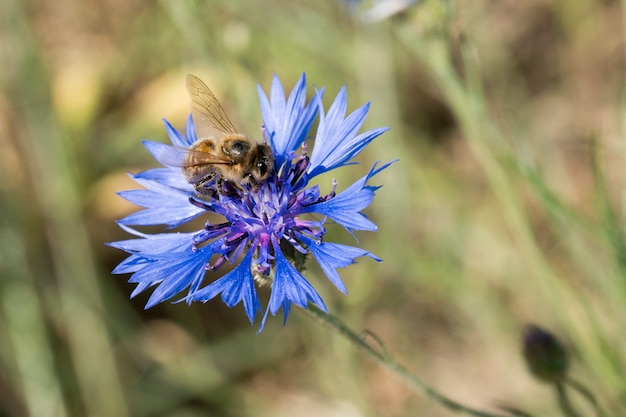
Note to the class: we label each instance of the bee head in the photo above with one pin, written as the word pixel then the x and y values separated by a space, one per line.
pixel 263 163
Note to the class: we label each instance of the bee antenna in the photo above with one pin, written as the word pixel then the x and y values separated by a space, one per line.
pixel 264 134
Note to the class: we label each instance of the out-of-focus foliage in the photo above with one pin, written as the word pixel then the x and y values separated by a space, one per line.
pixel 506 206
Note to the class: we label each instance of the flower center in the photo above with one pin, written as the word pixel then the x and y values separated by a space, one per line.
pixel 256 217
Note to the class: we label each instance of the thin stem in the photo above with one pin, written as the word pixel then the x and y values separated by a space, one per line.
pixel 582 390
pixel 388 362
pixel 564 402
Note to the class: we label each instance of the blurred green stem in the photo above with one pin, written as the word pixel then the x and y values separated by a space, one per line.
pixel 385 360
pixel 464 93
pixel 564 402
pixel 586 393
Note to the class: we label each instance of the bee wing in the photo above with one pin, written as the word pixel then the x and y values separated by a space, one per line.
pixel 204 102
pixel 174 156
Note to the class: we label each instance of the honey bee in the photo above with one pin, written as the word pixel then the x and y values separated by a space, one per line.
pixel 221 165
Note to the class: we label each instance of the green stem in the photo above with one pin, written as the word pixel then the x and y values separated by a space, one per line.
pixel 564 402
pixel 392 366
pixel 582 390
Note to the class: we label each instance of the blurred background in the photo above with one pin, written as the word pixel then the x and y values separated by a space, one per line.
pixel 506 206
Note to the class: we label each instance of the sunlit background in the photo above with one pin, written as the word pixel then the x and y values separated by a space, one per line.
pixel 506 206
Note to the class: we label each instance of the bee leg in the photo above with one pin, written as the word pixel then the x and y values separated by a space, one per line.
pixel 202 190
pixel 226 188
pixel 254 185
pixel 205 193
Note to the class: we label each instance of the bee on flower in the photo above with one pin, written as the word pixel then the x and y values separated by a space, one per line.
pixel 273 217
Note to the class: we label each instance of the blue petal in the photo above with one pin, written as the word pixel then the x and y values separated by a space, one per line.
pixel 191 132
pixel 330 256
pixel 163 205
pixel 173 272
pixel 161 188
pixel 157 243
pixel 141 287
pixel 289 286
pixel 169 156
pixel 166 176
pixel 336 141
pixel 131 264
pixel 188 276
pixel 345 207
pixel 287 123
pixel 149 198
pixel 161 216
pixel 177 138
pixel 236 286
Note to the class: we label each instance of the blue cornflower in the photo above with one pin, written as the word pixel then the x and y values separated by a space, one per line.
pixel 268 227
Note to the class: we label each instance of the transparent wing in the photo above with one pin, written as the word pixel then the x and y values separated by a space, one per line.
pixel 203 101
pixel 186 158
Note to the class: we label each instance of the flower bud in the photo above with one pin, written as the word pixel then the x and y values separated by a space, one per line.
pixel 545 356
